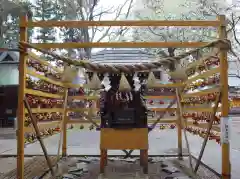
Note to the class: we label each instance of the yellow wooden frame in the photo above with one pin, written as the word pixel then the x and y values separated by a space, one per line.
pixel 24 24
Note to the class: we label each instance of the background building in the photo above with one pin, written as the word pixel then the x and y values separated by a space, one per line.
pixel 8 88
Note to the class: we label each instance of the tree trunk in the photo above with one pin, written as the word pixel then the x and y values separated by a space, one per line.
pixel 171 52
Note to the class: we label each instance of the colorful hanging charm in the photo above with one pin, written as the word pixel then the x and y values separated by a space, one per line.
pixel 123 84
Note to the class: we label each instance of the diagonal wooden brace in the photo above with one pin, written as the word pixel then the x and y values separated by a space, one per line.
pixel 34 123
pixel 218 100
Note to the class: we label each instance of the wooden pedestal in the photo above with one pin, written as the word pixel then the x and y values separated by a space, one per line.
pixel 120 139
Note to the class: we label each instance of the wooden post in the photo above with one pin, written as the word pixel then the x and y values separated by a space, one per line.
pixel 226 165
pixel 179 132
pixel 184 124
pixel 21 95
pixel 64 124
pixel 103 160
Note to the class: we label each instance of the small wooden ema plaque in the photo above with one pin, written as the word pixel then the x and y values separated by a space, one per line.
pixel 114 139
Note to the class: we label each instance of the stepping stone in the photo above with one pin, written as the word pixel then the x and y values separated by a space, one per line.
pixel 150 160
pixel 170 170
pixel 82 166
pixel 73 170
pixel 68 176
pixel 85 160
pixel 166 171
pixel 132 160
pixel 111 159
pixel 78 174
pixel 163 165
pixel 168 177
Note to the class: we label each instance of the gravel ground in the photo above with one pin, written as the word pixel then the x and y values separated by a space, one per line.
pixel 117 168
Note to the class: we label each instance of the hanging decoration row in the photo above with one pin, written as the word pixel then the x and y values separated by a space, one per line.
pixel 221 43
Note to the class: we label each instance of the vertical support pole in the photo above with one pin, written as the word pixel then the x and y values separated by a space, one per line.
pixel 103 158
pixel 226 165
pixel 21 95
pixel 179 131
pixel 64 124
pixel 184 124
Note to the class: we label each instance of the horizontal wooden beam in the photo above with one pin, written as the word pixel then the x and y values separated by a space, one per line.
pixel 82 109
pixel 42 126
pixel 169 85
pixel 204 126
pixel 68 45
pixel 201 92
pixel 186 109
pixel 131 23
pixel 42 94
pixel 150 121
pixel 97 97
pixel 42 77
pixel 199 109
pixel 159 97
pixel 162 109
pixel 83 97
pixel 203 75
pixel 44 62
pixel 97 109
pixel 70 85
pixel 45 110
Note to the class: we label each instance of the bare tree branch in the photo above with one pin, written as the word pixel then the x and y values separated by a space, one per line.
pixel 92 10
pixel 118 14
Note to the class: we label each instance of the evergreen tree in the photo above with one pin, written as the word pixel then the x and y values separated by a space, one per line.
pixel 11 34
pixel 70 35
pixel 47 10
pixel 10 24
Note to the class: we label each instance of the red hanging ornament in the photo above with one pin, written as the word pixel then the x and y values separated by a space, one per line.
pixel 172 114
pixel 150 102
pixel 211 97
pixel 194 114
pixel 202 84
pixel 185 115
pixel 216 62
pixel 161 102
pixel 172 126
pixel 81 91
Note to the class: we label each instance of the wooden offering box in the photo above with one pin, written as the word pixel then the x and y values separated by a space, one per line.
pixel 120 139
pixel 115 139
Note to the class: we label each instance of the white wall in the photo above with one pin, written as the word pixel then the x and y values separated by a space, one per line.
pixel 8 74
